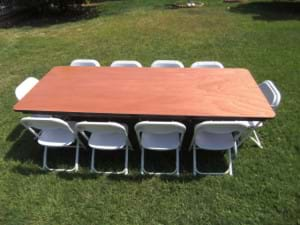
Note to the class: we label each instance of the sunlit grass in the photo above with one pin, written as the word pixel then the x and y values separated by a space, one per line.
pixel 265 188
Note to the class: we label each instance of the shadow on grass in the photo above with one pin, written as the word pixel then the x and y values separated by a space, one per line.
pixel 33 18
pixel 270 11
pixel 27 151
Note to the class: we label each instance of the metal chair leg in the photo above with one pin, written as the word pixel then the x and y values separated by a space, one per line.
pixel 45 158
pixel 126 160
pixel 256 139
pixel 194 161
pixel 177 162
pixel 230 162
pixel 92 169
pixel 142 160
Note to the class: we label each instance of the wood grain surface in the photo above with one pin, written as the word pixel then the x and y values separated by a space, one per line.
pixel 200 93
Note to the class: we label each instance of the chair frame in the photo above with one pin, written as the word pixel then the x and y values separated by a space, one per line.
pixel 252 134
pixel 36 134
pixel 194 147
pixel 139 132
pixel 126 147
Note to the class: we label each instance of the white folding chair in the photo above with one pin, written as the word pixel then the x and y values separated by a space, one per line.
pixel 167 64
pixel 207 64
pixel 54 133
pixel 216 136
pixel 85 62
pixel 106 136
pixel 273 96
pixel 23 88
pixel 160 136
pixel 126 63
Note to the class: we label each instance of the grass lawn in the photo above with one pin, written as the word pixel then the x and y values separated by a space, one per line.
pixel 263 37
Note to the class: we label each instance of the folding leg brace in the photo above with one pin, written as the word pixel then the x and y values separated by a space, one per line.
pixel 254 138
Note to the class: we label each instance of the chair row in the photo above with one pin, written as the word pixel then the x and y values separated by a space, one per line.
pixel 155 136
pixel 155 64
pixel 267 87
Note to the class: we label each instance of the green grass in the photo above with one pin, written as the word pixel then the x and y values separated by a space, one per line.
pixel 266 183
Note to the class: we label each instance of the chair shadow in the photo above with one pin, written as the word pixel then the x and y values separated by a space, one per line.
pixel 270 11
pixel 30 154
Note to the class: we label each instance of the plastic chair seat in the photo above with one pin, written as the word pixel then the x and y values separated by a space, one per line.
pixel 209 141
pixel 107 141
pixel 160 142
pixel 56 138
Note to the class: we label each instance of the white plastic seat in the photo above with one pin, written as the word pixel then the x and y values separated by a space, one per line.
pixel 167 64
pixel 85 62
pixel 207 64
pixel 23 88
pixel 105 136
pixel 160 136
pixel 126 63
pixel 273 96
pixel 216 136
pixel 52 132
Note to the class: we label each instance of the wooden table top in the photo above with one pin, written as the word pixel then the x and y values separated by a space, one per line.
pixel 172 92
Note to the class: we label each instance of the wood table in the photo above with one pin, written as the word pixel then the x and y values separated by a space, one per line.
pixel 221 94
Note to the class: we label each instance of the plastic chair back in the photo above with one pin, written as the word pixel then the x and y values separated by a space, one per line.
pixel 220 127
pixel 85 62
pixel 167 64
pixel 25 87
pixel 271 93
pixel 160 127
pixel 45 123
pixel 277 100
pixel 103 127
pixel 126 63
pixel 207 64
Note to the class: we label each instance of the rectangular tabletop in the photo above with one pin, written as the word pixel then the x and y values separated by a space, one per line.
pixel 171 92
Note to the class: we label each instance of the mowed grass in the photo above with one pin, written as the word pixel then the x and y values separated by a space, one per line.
pixel 266 183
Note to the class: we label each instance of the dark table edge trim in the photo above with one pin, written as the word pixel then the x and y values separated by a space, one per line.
pixel 144 117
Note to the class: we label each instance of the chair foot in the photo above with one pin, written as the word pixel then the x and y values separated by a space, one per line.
pixel 125 171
